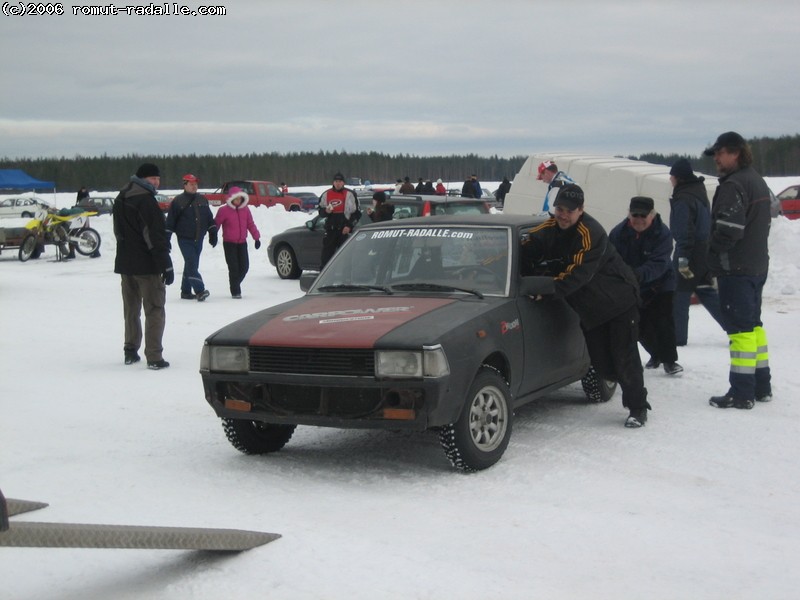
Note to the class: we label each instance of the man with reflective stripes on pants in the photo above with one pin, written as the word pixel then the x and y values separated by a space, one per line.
pixel 739 258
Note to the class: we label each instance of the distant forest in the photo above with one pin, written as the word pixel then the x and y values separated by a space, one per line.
pixel 773 157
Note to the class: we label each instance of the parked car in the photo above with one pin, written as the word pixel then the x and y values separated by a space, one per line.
pixel 414 324
pixel 790 202
pixel 300 248
pixel 102 205
pixel 23 206
pixel 308 200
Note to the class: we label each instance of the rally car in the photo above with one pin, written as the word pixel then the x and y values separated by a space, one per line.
pixel 427 323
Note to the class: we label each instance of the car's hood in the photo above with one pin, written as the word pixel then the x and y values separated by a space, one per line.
pixel 343 321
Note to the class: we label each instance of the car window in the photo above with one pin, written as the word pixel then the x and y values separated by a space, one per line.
pixel 406 211
pixel 7 203
pixel 457 208
pixel 791 193
pixel 472 257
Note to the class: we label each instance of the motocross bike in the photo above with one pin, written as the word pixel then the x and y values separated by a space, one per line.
pixel 62 230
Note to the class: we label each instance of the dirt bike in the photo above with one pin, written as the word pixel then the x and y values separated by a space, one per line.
pixel 64 230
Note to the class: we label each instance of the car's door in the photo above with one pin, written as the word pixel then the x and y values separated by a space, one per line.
pixel 308 244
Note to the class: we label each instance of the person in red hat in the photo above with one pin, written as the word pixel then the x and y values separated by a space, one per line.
pixel 190 219
pixel 548 173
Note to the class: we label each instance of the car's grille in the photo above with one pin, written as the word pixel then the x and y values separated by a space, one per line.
pixel 313 361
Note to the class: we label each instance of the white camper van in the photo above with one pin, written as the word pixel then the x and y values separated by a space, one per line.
pixel 608 183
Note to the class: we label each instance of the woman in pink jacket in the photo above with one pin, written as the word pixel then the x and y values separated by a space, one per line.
pixel 235 220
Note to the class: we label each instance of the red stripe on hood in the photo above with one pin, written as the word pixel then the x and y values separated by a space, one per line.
pixel 342 321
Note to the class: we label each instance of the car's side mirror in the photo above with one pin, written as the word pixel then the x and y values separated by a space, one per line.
pixel 307 279
pixel 536 285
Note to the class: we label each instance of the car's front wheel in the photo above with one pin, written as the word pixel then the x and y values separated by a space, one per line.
pixel 254 437
pixel 596 388
pixel 480 436
pixel 286 263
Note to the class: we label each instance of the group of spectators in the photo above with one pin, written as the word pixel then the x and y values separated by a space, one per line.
pixel 632 287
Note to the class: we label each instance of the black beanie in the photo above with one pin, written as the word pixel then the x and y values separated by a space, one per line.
pixel 682 169
pixel 147 170
pixel 379 197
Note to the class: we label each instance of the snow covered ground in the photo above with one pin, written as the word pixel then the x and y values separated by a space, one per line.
pixel 701 503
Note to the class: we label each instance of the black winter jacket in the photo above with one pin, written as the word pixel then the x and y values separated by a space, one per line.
pixel 740 221
pixel 190 217
pixel 649 255
pixel 589 273
pixel 690 223
pixel 142 247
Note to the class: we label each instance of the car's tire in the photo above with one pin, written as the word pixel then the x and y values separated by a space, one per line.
pixel 480 436
pixel 27 215
pixel 28 247
pixel 254 437
pixel 286 263
pixel 596 388
pixel 88 241
pixel 294 208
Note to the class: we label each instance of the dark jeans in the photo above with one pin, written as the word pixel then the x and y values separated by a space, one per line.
pixel 330 244
pixel 740 301
pixel 657 328
pixel 148 291
pixel 614 351
pixel 192 280
pixel 708 298
pixel 238 264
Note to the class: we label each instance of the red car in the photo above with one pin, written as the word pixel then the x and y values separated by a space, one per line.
pixel 790 202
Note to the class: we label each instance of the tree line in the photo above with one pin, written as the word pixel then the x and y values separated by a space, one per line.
pixel 773 157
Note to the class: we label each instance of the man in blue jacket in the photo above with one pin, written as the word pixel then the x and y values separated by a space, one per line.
pixel 645 244
pixel 190 219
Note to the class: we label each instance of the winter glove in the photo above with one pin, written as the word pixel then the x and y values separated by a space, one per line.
pixel 168 276
pixel 683 268
pixel 212 237
pixel 258 244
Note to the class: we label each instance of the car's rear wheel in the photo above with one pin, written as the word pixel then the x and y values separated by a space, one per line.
pixel 87 241
pixel 286 263
pixel 480 436
pixel 254 437
pixel 27 247
pixel 596 388
pixel 27 215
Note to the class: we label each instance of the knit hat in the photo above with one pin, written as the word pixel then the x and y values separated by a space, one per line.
pixel 570 196
pixel 729 139
pixel 682 169
pixel 338 177
pixel 641 204
pixel 379 197
pixel 147 170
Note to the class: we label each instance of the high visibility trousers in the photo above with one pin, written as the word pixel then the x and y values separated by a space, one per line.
pixel 749 371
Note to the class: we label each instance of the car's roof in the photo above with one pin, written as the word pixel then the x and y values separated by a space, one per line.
pixel 498 219
pixel 435 199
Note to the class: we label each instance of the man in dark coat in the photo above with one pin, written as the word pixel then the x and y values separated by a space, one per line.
pixel 145 266
pixel 645 244
pixel 594 280
pixel 739 258
pixel 504 188
pixel 190 219
pixel 690 224
pixel 340 205
pixel 381 209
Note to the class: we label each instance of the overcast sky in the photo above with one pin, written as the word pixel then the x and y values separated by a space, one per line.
pixel 434 77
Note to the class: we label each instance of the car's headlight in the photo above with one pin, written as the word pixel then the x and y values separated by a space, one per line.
pixel 430 362
pixel 232 359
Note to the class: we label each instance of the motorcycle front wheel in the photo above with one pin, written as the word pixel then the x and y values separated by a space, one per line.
pixel 87 241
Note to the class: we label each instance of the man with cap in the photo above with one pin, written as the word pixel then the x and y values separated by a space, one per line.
pixel 739 258
pixel 590 275
pixel 340 205
pixel 645 244
pixel 548 173
pixel 690 224
pixel 190 219
pixel 144 264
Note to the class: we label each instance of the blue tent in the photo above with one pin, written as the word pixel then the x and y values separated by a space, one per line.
pixel 18 179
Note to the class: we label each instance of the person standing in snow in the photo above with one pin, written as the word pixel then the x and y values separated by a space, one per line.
pixel 440 190
pixel 235 220
pixel 690 223
pixel 548 172
pixel 190 218
pixel 592 278
pixel 645 244
pixel 739 258
pixel 504 188
pixel 340 205
pixel 144 264
pixel 472 187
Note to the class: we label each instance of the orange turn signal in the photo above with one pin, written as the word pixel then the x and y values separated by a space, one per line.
pixel 232 404
pixel 399 414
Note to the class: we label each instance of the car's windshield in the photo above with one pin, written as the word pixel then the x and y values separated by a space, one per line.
pixel 424 259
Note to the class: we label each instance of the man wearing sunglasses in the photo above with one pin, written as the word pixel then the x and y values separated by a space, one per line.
pixel 645 244
pixel 592 278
